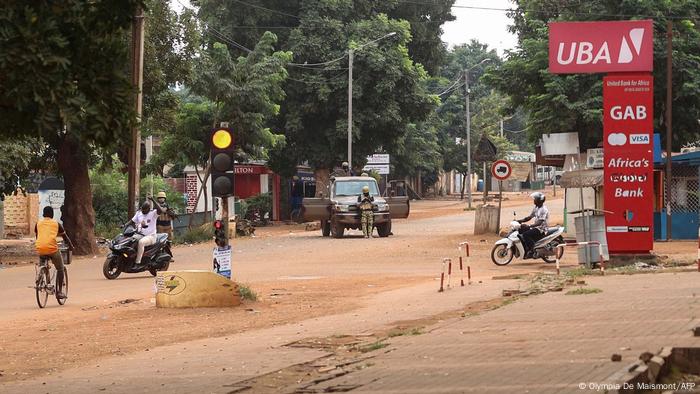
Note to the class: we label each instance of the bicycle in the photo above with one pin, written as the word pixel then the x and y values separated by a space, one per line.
pixel 46 277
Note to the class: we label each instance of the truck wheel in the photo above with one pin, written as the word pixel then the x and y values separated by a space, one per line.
pixel 325 228
pixel 384 229
pixel 337 229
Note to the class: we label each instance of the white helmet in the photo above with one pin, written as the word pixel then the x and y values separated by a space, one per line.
pixel 538 197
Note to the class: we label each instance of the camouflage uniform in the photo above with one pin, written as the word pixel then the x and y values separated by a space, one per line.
pixel 367 215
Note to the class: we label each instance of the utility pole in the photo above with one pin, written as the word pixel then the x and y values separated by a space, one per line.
pixel 137 34
pixel 469 141
pixel 669 132
pixel 351 55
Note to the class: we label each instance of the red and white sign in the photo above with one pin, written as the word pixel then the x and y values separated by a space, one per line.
pixel 628 122
pixel 594 47
pixel 501 170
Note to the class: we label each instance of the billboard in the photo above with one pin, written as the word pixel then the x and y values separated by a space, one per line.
pixel 595 47
pixel 628 116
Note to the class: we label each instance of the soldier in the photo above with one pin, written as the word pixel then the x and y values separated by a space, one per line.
pixel 344 171
pixel 165 215
pixel 366 205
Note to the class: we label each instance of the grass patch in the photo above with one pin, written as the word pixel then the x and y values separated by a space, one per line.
pixel 200 234
pixel 406 332
pixel 584 290
pixel 579 271
pixel 247 293
pixel 380 344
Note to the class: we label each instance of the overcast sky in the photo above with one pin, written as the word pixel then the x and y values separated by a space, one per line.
pixel 487 26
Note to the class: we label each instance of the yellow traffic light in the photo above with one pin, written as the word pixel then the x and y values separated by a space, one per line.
pixel 221 139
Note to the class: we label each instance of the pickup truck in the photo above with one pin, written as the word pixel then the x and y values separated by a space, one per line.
pixel 339 211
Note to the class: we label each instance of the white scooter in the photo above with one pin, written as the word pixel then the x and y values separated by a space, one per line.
pixel 512 245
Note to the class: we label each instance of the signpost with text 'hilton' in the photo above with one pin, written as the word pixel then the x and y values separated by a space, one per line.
pixel 625 50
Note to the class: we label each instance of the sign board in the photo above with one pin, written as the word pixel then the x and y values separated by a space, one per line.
pixel 526 157
pixel 485 150
pixel 51 193
pixel 501 170
pixel 222 261
pixel 595 47
pixel 560 144
pixel 594 158
pixel 628 116
pixel 378 158
pixel 381 169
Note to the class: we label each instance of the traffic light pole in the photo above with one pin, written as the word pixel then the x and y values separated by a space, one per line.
pixel 224 218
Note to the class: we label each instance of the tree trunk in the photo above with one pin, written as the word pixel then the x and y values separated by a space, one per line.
pixel 464 185
pixel 322 176
pixel 78 214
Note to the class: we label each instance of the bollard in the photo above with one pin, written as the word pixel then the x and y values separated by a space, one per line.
pixel 556 255
pixel 602 260
pixel 442 277
pixel 449 273
pixel 465 244
pixel 461 269
pixel 469 274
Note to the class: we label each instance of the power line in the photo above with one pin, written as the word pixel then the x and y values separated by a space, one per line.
pixel 450 90
pixel 267 9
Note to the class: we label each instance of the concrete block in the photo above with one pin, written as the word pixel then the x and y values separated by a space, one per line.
pixel 195 289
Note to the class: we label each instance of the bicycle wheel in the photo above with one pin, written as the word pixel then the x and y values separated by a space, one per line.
pixel 42 291
pixel 62 301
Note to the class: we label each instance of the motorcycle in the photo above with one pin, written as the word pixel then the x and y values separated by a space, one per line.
pixel 123 249
pixel 512 245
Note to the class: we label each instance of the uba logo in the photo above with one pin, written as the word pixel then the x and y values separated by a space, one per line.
pixel 582 52
pixel 588 47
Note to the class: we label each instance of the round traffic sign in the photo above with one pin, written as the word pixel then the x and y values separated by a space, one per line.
pixel 501 170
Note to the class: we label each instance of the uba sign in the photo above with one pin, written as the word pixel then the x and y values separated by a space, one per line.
pixel 593 47
pixel 628 105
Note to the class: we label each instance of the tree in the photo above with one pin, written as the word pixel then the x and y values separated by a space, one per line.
pixel 79 95
pixel 573 103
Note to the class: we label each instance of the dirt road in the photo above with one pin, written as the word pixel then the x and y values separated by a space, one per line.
pixel 298 275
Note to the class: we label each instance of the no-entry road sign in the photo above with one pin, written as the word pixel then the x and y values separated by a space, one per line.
pixel 501 170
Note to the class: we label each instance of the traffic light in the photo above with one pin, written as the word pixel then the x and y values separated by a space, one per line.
pixel 220 233
pixel 222 150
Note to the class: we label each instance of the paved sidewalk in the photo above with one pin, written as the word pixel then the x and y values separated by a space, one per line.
pixel 544 344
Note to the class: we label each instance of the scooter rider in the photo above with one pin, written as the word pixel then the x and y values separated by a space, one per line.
pixel 146 218
pixel 538 229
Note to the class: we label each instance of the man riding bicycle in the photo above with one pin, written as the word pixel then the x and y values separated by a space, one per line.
pixel 46 231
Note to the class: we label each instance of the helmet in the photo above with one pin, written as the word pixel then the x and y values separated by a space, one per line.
pixel 538 197
pixel 345 164
pixel 161 195
pixel 365 189
pixel 364 174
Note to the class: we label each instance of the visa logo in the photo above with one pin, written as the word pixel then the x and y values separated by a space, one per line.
pixel 639 139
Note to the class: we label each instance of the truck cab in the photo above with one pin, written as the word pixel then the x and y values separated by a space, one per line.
pixel 339 210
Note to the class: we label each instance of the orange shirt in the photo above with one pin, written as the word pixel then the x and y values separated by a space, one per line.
pixel 46 232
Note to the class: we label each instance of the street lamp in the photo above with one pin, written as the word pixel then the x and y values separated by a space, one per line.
pixel 351 55
pixel 469 132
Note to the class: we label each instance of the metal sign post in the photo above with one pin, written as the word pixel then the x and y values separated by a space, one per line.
pixel 500 170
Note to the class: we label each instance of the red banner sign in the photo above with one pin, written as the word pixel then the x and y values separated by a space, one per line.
pixel 594 47
pixel 628 124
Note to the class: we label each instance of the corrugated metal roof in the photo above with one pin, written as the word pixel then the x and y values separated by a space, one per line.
pixel 584 178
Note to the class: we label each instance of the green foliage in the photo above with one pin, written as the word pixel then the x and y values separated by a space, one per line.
pixel 247 293
pixel 573 103
pixel 201 234
pixel 109 198
pixel 583 291
pixel 261 203
pixel 76 53
pixel 245 92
